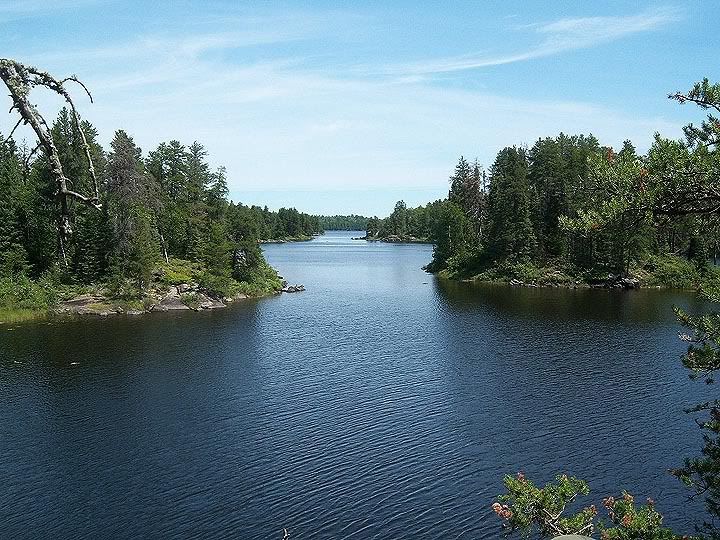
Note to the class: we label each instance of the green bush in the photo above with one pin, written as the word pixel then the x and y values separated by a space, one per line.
pixel 261 281
pixel 528 509
pixel 191 300
pixel 23 293
pixel 179 271
pixel 672 271
pixel 220 286
pixel 121 288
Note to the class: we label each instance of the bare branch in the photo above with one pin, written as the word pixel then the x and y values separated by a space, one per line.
pixel 76 80
pixel 26 161
pixel 43 78
pixel 12 131
pixel 21 80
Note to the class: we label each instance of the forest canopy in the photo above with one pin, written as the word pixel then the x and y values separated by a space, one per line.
pixel 550 214
pixel 78 217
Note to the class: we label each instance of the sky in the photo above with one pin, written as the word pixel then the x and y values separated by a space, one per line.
pixel 347 107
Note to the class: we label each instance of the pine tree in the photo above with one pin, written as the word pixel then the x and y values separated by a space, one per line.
pixel 13 255
pixel 132 195
pixel 452 234
pixel 548 178
pixel 459 182
pixel 510 234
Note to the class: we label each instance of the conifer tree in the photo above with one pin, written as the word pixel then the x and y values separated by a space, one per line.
pixel 510 234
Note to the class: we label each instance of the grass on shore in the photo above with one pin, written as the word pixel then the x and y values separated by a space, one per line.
pixel 19 315
pixel 666 271
pixel 25 299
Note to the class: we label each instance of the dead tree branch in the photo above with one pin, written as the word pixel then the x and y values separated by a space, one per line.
pixel 20 81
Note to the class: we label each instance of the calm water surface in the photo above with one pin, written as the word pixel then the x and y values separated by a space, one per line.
pixel 381 403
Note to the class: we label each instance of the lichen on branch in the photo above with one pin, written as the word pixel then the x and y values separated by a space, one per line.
pixel 20 81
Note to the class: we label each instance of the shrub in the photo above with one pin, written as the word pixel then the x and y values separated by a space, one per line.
pixel 527 508
pixel 191 300
pixel 218 285
pixel 672 271
pixel 179 271
pixel 261 280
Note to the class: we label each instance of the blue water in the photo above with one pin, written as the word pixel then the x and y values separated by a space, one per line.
pixel 380 403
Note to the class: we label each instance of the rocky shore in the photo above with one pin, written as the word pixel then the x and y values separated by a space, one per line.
pixel 183 297
pixel 302 238
pixel 612 282
pixel 395 239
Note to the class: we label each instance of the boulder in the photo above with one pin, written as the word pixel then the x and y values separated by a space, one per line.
pixel 170 302
pixel 168 306
pixel 293 288
pixel 630 283
pixel 205 302
pixel 184 288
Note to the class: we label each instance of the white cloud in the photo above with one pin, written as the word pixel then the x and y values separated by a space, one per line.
pixel 293 123
pixel 557 37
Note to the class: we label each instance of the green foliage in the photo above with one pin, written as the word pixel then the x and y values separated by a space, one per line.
pixel 510 200
pixel 178 271
pixel 672 271
pixel 352 222
pixel 191 300
pixel 454 238
pixel 631 522
pixel 527 509
pixel 21 292
pixel 702 473
pixel 262 280
pixel 169 206
pixel 218 285
pixel 407 224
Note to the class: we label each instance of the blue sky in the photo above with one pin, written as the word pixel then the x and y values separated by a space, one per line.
pixel 340 107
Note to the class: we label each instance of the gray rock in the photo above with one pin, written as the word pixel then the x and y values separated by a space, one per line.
pixel 170 302
pixel 205 302
pixel 293 288
pixel 187 288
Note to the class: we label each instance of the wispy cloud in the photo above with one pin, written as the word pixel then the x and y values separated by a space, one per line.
pixel 556 37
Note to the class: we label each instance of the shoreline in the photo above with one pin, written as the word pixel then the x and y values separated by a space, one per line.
pixel 289 239
pixel 514 283
pixel 182 297
pixel 667 272
pixel 395 239
pixel 94 305
pixel 616 283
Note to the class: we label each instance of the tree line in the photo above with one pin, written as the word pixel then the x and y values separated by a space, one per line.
pixel 168 205
pixel 530 211
pixel 352 222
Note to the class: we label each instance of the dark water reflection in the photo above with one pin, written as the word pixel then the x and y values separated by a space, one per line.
pixel 381 403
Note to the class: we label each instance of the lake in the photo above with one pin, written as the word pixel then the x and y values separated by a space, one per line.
pixel 380 403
